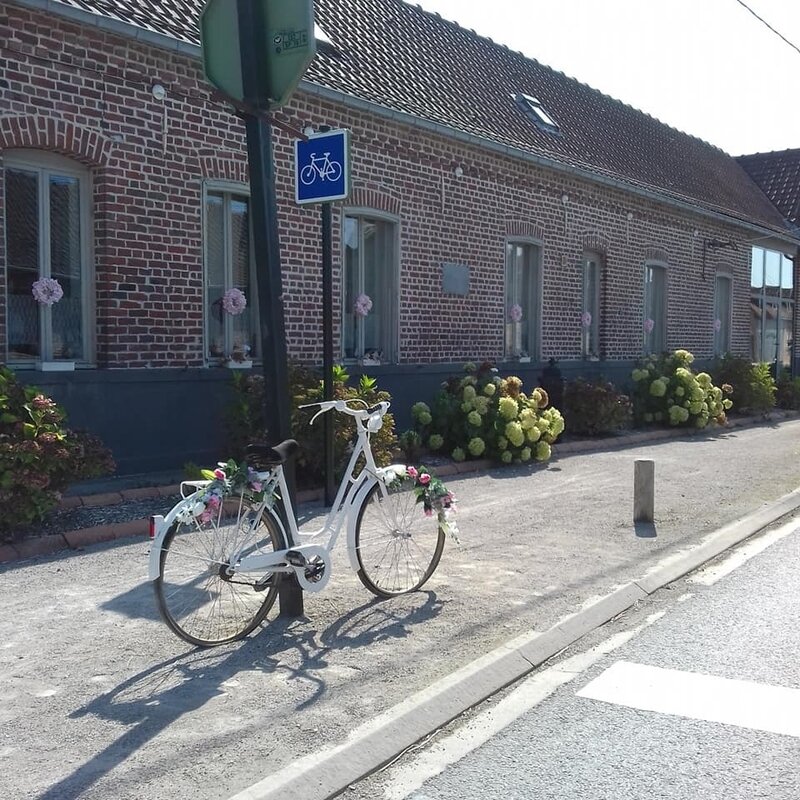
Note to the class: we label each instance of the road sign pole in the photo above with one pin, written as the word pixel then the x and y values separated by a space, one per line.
pixel 327 346
pixel 264 216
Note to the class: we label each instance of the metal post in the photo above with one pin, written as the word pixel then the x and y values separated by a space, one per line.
pixel 266 246
pixel 644 486
pixel 327 347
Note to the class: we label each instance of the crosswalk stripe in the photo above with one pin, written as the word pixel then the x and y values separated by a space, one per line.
pixel 775 709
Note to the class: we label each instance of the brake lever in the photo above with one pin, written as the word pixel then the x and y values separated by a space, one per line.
pixel 319 413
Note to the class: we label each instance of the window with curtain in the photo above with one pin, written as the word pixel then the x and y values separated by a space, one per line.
pixel 772 306
pixel 47 224
pixel 370 282
pixel 723 306
pixel 231 325
pixel 590 316
pixel 522 300
pixel 655 309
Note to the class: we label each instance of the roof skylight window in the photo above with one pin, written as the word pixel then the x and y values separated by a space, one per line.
pixel 537 113
pixel 324 42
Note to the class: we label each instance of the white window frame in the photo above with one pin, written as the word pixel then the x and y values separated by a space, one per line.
pixel 722 337
pixel 45 164
pixel 591 259
pixel 391 349
pixel 227 189
pixel 780 297
pixel 534 325
pixel 648 343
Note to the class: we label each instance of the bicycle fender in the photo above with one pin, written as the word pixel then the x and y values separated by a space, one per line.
pixel 162 526
pixel 358 499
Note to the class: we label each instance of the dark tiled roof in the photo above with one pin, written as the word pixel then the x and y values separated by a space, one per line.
pixel 407 59
pixel 778 175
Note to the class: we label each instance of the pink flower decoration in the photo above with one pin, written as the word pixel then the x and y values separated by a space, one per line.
pixel 586 319
pixel 205 517
pixel 219 474
pixel 362 305
pixel 428 512
pixel 424 479
pixel 649 324
pixel 256 486
pixel 717 325
pixel 47 291
pixel 234 301
pixel 515 312
pixel 213 501
pixel 412 472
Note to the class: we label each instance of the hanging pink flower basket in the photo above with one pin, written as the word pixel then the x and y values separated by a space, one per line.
pixel 234 301
pixel 362 305
pixel 47 291
pixel 649 324
pixel 515 312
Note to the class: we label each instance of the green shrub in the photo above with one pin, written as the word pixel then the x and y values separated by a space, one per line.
pixel 481 415
pixel 595 408
pixel 667 391
pixel 753 385
pixel 788 393
pixel 245 423
pixel 410 442
pixel 39 456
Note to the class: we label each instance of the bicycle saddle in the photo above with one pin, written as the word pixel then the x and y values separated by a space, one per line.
pixel 272 456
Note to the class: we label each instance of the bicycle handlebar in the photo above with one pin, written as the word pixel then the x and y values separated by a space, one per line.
pixel 341 405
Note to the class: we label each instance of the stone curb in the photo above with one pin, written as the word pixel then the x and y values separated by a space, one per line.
pixel 46 545
pixel 326 774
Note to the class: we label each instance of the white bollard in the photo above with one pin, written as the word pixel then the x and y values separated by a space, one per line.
pixel 644 490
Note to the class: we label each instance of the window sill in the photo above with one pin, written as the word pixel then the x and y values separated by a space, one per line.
pixel 56 366
pixel 231 364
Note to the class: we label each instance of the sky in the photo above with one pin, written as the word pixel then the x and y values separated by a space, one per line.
pixel 706 67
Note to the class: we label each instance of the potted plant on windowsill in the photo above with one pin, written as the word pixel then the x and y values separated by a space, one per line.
pixel 47 292
pixel 240 359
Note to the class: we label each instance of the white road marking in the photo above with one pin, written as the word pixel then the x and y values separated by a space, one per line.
pixel 411 775
pixel 746 704
pixel 742 554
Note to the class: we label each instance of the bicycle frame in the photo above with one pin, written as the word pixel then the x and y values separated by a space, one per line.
pixel 351 493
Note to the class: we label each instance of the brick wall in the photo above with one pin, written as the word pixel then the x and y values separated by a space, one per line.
pixel 87 95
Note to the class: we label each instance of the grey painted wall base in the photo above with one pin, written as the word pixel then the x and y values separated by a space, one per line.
pixel 157 420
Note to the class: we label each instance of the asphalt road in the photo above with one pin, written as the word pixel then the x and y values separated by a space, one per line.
pixel 701 703
pixel 99 700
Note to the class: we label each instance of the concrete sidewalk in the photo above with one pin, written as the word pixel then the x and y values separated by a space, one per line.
pixel 547 554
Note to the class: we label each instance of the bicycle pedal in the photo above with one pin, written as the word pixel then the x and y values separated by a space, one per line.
pixel 295 558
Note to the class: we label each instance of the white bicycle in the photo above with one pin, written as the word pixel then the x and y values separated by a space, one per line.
pixel 217 557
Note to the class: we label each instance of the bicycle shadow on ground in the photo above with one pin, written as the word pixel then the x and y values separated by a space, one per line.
pixel 152 700
pixel 136 603
pixel 377 621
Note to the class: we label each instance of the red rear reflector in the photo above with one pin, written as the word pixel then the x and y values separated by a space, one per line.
pixel 152 527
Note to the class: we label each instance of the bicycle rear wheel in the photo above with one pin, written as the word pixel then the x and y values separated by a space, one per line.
pixel 200 598
pixel 397 546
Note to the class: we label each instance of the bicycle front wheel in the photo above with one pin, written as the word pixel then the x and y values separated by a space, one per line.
pixel 397 546
pixel 202 592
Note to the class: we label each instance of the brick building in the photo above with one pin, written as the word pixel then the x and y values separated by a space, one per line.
pixel 500 210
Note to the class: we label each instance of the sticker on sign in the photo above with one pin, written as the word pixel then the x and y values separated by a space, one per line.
pixel 322 167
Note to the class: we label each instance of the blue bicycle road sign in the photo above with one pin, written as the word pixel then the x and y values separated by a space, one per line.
pixel 322 167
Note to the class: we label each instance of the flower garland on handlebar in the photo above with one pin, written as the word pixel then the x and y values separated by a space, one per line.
pixel 434 496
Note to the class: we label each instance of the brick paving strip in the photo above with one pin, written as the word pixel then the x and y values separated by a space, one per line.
pixel 85 537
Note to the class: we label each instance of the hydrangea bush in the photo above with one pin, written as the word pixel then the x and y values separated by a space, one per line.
pixel 39 455
pixel 481 415
pixel 667 391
